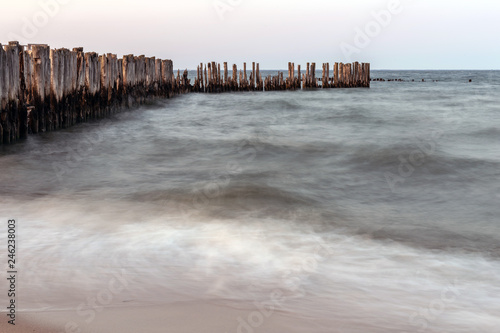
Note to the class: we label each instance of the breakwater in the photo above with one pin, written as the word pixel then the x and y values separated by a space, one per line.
pixel 44 89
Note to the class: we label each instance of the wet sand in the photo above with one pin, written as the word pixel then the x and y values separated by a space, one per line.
pixel 178 317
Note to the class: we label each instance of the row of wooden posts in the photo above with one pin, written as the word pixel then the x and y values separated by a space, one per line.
pixel 43 89
pixel 209 78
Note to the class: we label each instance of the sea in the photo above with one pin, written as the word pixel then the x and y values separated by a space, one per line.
pixel 363 210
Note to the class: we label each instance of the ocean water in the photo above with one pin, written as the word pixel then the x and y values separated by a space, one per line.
pixel 364 210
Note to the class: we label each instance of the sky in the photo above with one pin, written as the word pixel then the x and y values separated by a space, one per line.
pixel 390 34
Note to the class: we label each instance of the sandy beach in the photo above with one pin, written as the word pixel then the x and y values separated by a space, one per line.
pixel 26 323
pixel 179 318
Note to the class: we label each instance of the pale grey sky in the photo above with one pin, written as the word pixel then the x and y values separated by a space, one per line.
pixel 391 34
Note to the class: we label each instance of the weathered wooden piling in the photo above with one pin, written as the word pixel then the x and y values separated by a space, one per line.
pixel 11 108
pixel 328 79
pixel 260 85
pixel 324 76
pixel 218 77
pixel 245 82
pixel 307 81
pixel 227 77
pixel 298 77
pixel 314 83
pixel 336 75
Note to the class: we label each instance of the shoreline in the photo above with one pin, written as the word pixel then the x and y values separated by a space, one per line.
pixel 178 317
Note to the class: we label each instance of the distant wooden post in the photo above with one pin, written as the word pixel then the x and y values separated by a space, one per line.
pixel 323 77
pixel 206 79
pixel 225 75
pixel 253 76
pixel 347 73
pixel 202 86
pixel 298 77
pixel 209 86
pixel 355 74
pixel 368 76
pixel 218 76
pixel 235 77
pixel 258 78
pixel 336 75
pixel 245 75
pixel 214 75
pixel 341 75
pixel 328 75
pixel 307 80
pixel 313 74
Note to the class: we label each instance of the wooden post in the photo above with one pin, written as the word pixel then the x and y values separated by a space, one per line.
pixel 313 74
pixel 206 80
pixel 323 76
pixel 355 74
pixel 104 81
pixel 307 81
pixel 157 73
pixel 214 76
pixel 298 77
pixel 245 75
pixel 40 56
pixel 328 75
pixel 341 75
pixel 368 75
pixel 259 79
pixel 215 73
pixel 209 87
pixel 235 77
pixel 225 75
pixel 336 75
pixel 253 76
pixel 80 60
pixel 351 74
pixel 361 74
pixel 289 76
pixel 4 84
pixel 218 77
pixel 202 85
pixel 11 97
pixel 27 73
pixel 346 74
pixel 55 69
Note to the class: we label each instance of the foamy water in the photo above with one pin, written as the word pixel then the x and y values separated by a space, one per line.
pixel 234 198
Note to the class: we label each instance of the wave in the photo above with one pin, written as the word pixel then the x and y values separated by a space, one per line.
pixel 229 198
pixel 376 158
pixel 491 133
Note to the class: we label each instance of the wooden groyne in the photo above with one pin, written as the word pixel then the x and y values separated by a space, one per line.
pixel 43 89
pixel 210 79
